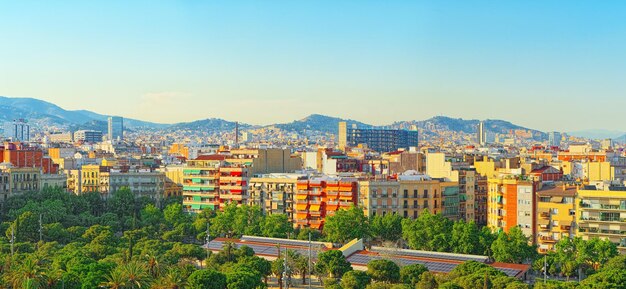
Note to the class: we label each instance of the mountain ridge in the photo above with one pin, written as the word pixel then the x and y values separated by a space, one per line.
pixel 40 111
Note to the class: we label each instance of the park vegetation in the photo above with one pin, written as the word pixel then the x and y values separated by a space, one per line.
pixel 52 239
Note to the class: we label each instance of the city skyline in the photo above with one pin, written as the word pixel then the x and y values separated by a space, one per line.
pixel 471 61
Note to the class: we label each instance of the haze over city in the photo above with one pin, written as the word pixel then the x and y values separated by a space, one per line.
pixel 536 64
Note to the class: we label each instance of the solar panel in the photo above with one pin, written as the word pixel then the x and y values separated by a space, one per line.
pixel 432 255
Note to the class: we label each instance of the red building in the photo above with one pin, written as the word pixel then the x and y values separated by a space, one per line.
pixel 547 174
pixel 23 156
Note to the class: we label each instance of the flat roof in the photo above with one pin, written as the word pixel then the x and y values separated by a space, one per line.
pixel 437 262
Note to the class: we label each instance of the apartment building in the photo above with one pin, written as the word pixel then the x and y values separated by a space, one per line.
pixel 556 215
pixel 601 213
pixel 380 140
pixel 511 204
pixel 142 183
pixel 274 193
pixel 200 180
pixel 317 198
pixel 407 196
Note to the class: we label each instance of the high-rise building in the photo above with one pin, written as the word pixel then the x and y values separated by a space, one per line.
pixel 18 130
pixel 481 136
pixel 555 216
pixel 554 138
pixel 116 128
pixel 380 140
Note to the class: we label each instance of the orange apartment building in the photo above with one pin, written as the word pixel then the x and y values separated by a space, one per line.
pixel 511 204
pixel 317 199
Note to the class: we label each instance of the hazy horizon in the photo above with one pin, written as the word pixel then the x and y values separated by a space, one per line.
pixel 547 66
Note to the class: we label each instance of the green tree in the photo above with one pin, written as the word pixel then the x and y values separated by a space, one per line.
pixel 427 281
pixel 276 226
pixel 332 263
pixel 512 247
pixel 387 227
pixel 355 280
pixel 260 265
pixel 466 238
pixel 383 271
pixel 174 215
pixel 207 279
pixel 410 274
pixel 346 225
pixel 428 232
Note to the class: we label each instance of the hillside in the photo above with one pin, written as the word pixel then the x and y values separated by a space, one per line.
pixel 318 122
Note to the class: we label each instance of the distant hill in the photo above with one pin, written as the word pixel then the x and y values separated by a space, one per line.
pixel 462 125
pixel 207 125
pixel 598 134
pixel 318 122
pixel 42 112
pixel 39 111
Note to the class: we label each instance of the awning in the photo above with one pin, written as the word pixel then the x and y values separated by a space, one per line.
pixel 315 208
pixel 301 207
pixel 301 197
pixel 557 200
pixel 345 197
pixel 543 222
pixel 302 216
pixel 543 210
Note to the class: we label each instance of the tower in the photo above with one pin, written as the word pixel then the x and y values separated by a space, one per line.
pixel 116 128
pixel 481 136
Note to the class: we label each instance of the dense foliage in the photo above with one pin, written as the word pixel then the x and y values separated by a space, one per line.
pixel 67 241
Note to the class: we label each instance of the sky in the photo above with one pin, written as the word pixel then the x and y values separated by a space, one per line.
pixel 548 65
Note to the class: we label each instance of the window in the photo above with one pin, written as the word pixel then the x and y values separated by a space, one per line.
pixel 414 193
pixel 425 193
pixel 572 212
pixel 406 193
pixel 555 211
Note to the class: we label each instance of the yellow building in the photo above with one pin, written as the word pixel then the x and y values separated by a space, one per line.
pixel 90 178
pixel 601 213
pixel 274 193
pixel 408 197
pixel 555 216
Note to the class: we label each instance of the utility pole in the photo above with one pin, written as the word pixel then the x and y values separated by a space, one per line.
pixel 285 270
pixel 40 229
pixel 545 269
pixel 310 260
pixel 12 239
pixel 208 239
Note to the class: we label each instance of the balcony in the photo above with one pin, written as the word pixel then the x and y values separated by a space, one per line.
pixel 547 239
pixel 566 227
pixel 544 215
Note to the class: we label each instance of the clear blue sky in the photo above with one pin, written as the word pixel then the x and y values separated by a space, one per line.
pixel 551 65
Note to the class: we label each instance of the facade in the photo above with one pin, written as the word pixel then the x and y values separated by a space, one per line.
pixel 554 139
pixel 481 134
pixel 555 216
pixel 61 137
pixel 511 204
pixel 21 155
pixel 141 183
pixel 380 140
pixel 408 196
pixel 88 136
pixel 5 186
pixel 116 128
pixel 90 178
pixel 22 180
pixel 53 181
pixel 274 194
pixel 200 182
pixel 18 130
pixel 601 213
pixel 480 191
pixel 317 199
